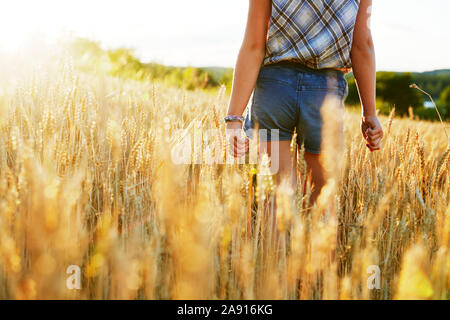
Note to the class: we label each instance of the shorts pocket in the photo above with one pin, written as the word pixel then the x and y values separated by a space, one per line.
pixel 331 82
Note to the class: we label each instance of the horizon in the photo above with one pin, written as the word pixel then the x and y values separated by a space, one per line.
pixel 213 66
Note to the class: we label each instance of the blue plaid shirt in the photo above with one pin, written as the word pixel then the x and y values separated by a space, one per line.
pixel 315 33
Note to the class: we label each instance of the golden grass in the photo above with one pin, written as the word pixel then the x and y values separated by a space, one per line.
pixel 86 179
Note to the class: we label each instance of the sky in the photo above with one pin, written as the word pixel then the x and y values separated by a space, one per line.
pixel 409 35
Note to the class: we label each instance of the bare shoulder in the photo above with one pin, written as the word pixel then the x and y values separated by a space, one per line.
pixel 362 25
pixel 259 12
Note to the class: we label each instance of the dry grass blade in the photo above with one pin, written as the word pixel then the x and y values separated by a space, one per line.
pixel 415 86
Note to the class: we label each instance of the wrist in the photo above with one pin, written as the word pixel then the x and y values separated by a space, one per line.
pixel 369 113
pixel 369 109
pixel 234 125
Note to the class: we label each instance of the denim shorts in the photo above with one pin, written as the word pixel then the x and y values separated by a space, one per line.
pixel 290 96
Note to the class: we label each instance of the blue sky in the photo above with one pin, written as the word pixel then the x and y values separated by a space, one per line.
pixel 410 35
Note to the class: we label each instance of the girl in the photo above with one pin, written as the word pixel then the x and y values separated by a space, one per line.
pixel 294 54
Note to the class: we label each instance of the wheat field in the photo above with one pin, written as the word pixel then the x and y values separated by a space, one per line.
pixel 87 179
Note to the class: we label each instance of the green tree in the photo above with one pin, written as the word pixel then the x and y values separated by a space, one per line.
pixel 227 79
pixel 394 89
pixel 445 101
pixel 433 82
pixel 194 78
pixel 353 96
pixel 125 64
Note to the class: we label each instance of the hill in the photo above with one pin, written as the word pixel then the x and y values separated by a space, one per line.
pixel 439 72
pixel 434 82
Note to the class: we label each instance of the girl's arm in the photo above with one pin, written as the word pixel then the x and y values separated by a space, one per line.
pixel 363 63
pixel 251 55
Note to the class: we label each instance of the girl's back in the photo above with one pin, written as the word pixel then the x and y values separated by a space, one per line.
pixel 316 33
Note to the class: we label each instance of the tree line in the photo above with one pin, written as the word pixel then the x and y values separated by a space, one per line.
pixel 123 63
pixel 393 88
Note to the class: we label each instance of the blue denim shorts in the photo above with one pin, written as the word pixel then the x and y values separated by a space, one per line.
pixel 290 96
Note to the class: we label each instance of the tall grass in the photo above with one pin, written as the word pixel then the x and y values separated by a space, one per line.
pixel 87 179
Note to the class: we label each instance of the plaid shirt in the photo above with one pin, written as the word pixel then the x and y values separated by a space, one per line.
pixel 315 33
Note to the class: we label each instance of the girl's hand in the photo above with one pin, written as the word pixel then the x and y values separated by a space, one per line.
pixel 237 141
pixel 372 132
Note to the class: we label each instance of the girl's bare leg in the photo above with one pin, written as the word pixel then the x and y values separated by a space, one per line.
pixel 315 168
pixel 284 164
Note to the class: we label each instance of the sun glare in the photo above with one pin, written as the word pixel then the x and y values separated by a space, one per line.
pixel 11 41
pixel 16 26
